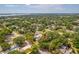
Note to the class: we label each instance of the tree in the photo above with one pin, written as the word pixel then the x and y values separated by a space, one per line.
pixel 5 31
pixel 19 41
pixel 44 45
pixel 69 26
pixel 15 52
pixel 29 36
pixel 76 41
pixel 57 43
pixel 54 44
pixel 5 46
pixel 45 41
pixel 34 49
pixel 2 39
pixel 48 36
pixel 66 34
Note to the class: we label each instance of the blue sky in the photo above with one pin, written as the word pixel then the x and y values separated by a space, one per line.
pixel 39 8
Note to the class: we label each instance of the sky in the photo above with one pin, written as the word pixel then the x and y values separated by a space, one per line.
pixel 39 8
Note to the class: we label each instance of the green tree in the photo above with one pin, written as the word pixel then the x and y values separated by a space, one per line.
pixel 2 39
pixel 57 43
pixel 34 49
pixel 50 35
pixel 76 41
pixel 19 41
pixel 15 52
pixel 5 46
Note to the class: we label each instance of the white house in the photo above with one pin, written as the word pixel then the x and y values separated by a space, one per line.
pixel 37 35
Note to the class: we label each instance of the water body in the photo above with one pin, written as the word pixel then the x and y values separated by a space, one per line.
pixel 12 14
pixel 38 14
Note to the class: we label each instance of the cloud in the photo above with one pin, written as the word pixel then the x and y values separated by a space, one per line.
pixel 45 7
pixel 9 5
pixel 38 8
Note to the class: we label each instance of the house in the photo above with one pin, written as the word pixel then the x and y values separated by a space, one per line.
pixel 14 47
pixel 37 35
pixel 64 50
pixel 28 45
pixel 0 48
